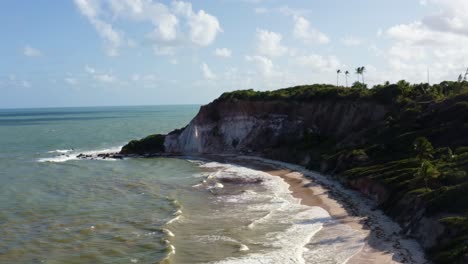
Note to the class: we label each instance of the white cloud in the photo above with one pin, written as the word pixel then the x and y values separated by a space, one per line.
pixel 207 73
pixel 136 77
pixel 406 51
pixel 223 52
pixel 203 27
pixel 31 52
pixel 167 31
pixel 90 70
pixel 25 84
pixel 88 8
pixel 438 41
pixel 113 39
pixel 269 43
pixel 71 81
pixel 303 31
pixel 263 65
pixel 319 63
pixel 105 78
pixel 261 10
pixel 351 41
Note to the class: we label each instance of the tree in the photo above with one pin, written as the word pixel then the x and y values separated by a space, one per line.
pixel 346 75
pixel 466 74
pixel 358 72
pixel 363 70
pixel 338 76
pixel 427 171
pixel 423 148
pixel 460 78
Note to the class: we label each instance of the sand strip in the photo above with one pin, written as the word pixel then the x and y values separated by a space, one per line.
pixel 384 242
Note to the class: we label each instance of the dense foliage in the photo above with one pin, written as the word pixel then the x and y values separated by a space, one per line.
pixel 419 152
pixel 386 93
pixel 148 145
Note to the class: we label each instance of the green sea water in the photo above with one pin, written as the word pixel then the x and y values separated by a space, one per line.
pixel 56 208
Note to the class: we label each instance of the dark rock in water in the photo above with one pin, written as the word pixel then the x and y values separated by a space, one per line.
pixel 117 156
pixel 241 180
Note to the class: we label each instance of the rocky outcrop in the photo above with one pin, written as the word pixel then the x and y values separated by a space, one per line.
pixel 354 135
pixel 236 126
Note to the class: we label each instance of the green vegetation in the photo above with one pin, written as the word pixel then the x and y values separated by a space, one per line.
pixel 419 153
pixel 412 96
pixel 148 145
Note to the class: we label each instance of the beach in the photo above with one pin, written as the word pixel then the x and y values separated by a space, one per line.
pixel 384 242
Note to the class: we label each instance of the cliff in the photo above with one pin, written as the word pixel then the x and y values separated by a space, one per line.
pixel 392 142
pixel 240 126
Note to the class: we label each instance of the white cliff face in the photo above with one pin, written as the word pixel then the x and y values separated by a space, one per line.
pixel 244 126
pixel 213 136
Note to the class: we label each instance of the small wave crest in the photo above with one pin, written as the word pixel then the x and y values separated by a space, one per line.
pixel 70 154
pixel 283 226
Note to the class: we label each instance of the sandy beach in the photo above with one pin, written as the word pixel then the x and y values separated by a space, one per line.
pixel 384 241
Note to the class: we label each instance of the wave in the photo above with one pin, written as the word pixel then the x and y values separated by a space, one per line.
pixel 70 154
pixel 60 151
pixel 283 226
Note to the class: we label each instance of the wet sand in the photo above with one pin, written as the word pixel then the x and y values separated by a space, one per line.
pixel 384 243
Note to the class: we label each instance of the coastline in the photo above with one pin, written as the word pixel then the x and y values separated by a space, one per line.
pixel 384 242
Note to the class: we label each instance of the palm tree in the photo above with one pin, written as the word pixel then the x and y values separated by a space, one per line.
pixel 358 71
pixel 346 75
pixel 363 70
pixel 338 76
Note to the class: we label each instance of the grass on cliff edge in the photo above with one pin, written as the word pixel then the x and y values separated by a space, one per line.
pixel 385 93
pixel 437 112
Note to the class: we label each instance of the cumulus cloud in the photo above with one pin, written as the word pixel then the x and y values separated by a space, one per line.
pixel 223 52
pixel 268 43
pixel 207 73
pixel 167 30
pixel 437 40
pixel 203 28
pixel 304 31
pixel 263 65
pixel 29 51
pixel 319 63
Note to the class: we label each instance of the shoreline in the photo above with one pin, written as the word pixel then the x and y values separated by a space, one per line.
pixel 384 242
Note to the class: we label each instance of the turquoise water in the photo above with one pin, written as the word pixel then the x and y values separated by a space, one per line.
pixel 55 208
pixel 85 211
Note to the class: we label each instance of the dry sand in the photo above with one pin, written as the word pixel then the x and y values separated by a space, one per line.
pixel 384 243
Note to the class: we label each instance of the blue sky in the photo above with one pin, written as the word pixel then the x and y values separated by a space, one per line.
pixel 136 52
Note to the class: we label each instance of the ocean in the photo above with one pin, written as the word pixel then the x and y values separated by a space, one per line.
pixel 56 208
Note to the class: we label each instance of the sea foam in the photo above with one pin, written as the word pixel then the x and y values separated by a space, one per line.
pixel 69 154
pixel 287 225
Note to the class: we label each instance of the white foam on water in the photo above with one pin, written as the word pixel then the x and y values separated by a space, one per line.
pixel 60 151
pixel 243 247
pixel 168 232
pixel 287 225
pixel 406 248
pixel 67 155
pixel 173 220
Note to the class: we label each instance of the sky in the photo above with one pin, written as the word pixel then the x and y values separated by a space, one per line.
pixel 150 52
